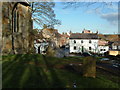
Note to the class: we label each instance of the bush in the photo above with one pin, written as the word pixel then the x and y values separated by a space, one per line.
pixel 89 67
pixel 50 51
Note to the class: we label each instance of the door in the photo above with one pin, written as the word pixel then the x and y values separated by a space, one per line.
pixel 39 49
pixel 82 49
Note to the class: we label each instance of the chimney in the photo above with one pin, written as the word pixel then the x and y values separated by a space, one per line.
pixel 97 32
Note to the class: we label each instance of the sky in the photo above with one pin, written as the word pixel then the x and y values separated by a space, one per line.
pixel 104 19
pixel 96 17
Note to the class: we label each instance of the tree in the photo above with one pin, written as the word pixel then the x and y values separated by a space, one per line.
pixel 86 4
pixel 43 13
pixel 94 6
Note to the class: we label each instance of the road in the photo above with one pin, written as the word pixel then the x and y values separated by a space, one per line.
pixel 109 68
pixel 104 66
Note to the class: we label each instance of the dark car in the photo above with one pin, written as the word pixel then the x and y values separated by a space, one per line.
pixel 86 54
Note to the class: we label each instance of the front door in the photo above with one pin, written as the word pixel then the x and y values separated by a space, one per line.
pixel 82 49
pixel 39 49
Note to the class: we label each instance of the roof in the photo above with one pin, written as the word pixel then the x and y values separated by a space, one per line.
pixel 110 37
pixel 83 36
pixel 102 42
pixel 87 31
pixel 116 43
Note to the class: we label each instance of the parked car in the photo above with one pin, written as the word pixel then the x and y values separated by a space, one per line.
pixel 104 59
pixel 116 65
pixel 86 54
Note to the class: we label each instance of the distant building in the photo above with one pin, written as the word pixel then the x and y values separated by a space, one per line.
pixel 40 46
pixel 64 39
pixel 114 48
pixel 87 31
pixel 53 35
pixel 83 42
pixel 87 41
pixel 103 46
pixel 47 37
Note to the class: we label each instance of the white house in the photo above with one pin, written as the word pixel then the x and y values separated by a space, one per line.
pixel 40 46
pixel 83 42
pixel 114 48
pixel 103 46
pixel 116 45
pixel 87 42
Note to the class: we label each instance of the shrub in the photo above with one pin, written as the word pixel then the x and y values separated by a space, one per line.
pixel 50 51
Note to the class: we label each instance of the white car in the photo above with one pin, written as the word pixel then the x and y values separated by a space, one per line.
pixel 116 65
pixel 104 59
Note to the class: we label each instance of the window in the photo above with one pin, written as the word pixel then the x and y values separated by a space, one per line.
pixel 118 47
pixel 74 47
pixel 101 49
pixel 89 48
pixel 89 41
pixel 74 41
pixel 15 20
pixel 81 41
pixel 104 50
pixel 114 47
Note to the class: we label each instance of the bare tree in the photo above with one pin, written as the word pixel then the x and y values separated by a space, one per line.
pixel 43 13
pixel 95 6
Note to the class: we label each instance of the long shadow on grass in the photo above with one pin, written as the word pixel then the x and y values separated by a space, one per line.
pixel 21 74
pixel 37 77
pixel 10 64
pixel 56 82
pixel 14 71
pixel 18 73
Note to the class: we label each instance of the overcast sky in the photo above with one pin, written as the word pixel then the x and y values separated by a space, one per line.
pixel 104 19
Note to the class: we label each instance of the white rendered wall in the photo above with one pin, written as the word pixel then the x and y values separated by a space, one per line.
pixel 103 47
pixel 85 44
pixel 41 45
pixel 36 45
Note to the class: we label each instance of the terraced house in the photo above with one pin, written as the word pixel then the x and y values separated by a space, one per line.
pixel 17 26
pixel 87 41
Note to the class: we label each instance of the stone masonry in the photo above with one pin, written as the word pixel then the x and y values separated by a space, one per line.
pixel 16 27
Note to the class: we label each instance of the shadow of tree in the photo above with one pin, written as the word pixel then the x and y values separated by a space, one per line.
pixel 15 73
pixel 19 73
pixel 27 71
pixel 56 82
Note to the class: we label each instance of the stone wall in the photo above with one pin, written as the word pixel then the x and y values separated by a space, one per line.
pixel 0 27
pixel 16 27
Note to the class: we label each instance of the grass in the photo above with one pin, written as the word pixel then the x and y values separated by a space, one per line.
pixel 37 71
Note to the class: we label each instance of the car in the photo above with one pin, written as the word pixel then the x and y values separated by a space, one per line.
pixel 86 54
pixel 104 59
pixel 116 65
